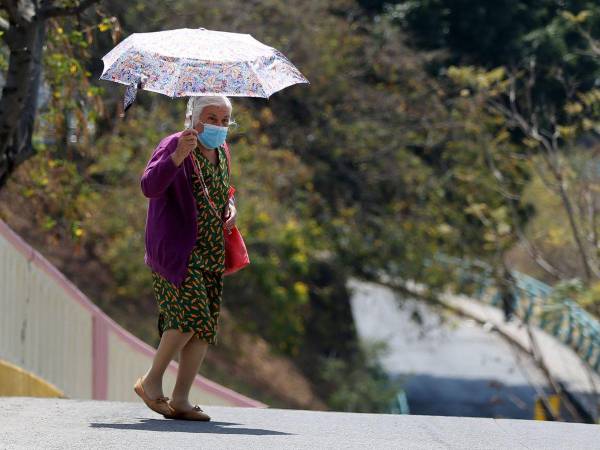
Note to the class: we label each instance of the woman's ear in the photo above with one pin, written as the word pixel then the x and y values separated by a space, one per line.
pixel 199 127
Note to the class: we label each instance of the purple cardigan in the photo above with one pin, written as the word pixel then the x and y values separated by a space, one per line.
pixel 172 215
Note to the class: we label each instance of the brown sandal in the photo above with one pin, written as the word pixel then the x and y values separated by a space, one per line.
pixel 159 405
pixel 194 414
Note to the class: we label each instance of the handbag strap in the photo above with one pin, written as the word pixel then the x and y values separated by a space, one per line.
pixel 228 154
pixel 228 158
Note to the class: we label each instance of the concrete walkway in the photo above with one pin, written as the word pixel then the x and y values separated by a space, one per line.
pixel 27 422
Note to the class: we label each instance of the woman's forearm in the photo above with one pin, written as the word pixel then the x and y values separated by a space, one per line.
pixel 177 159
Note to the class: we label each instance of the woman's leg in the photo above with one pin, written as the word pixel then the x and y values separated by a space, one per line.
pixel 190 358
pixel 171 342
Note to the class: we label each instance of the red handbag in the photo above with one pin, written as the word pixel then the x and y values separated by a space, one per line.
pixel 236 254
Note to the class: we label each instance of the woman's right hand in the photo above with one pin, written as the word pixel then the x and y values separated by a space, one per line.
pixel 185 144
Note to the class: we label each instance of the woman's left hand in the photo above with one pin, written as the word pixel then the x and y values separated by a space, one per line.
pixel 230 216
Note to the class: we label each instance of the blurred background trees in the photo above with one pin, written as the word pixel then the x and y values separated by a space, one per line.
pixel 463 127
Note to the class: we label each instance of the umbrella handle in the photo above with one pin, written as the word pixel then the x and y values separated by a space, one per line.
pixel 131 91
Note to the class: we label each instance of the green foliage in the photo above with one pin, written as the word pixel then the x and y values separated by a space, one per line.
pixel 280 240
pixel 373 168
pixel 586 295
pixel 349 169
pixel 361 384
pixel 74 102
pixel 539 79
pixel 57 191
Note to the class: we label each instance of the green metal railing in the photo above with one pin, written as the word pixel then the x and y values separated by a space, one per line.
pixel 536 303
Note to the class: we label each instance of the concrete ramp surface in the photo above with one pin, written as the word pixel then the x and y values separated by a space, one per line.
pixel 27 422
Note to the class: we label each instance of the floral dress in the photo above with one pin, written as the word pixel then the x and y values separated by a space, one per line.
pixel 195 305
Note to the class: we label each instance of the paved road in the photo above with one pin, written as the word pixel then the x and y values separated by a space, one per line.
pixel 27 423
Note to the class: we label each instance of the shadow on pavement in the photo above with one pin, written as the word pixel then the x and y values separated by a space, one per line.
pixel 188 426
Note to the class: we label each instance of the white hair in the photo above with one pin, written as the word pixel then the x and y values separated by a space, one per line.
pixel 196 105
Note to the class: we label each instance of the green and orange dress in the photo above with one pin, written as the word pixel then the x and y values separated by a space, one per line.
pixel 195 305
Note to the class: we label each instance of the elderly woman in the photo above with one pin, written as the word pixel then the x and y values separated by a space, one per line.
pixel 185 248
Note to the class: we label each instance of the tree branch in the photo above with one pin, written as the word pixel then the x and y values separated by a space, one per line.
pixel 594 44
pixel 550 155
pixel 67 11
pixel 19 12
pixel 530 247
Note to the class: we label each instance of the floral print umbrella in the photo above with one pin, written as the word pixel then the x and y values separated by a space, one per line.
pixel 190 62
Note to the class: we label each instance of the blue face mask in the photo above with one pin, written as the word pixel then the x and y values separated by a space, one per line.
pixel 212 136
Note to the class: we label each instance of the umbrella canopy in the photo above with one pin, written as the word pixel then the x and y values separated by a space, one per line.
pixel 189 62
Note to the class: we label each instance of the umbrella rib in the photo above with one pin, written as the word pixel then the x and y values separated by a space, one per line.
pixel 257 76
pixel 173 85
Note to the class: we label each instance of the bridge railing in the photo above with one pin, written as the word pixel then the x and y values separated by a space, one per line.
pixel 51 329
pixel 537 303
